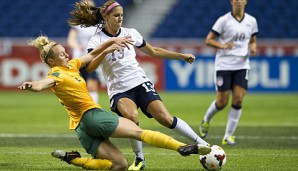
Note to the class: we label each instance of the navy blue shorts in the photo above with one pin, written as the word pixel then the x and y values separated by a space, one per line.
pixel 86 75
pixel 141 95
pixel 225 80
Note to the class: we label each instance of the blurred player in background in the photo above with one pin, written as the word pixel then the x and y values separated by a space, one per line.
pixel 128 86
pixel 234 35
pixel 77 40
pixel 94 125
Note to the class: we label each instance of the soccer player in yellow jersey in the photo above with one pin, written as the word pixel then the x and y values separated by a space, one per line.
pixel 94 125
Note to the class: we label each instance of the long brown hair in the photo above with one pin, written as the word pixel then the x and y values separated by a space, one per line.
pixel 87 15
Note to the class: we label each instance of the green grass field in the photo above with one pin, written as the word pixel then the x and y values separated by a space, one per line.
pixel 34 124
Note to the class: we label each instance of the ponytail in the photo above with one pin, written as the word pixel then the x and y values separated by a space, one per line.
pixel 86 14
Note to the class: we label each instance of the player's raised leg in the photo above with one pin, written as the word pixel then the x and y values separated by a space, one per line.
pixel 160 113
pixel 127 128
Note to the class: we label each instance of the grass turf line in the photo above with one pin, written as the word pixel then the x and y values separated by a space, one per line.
pixel 267 132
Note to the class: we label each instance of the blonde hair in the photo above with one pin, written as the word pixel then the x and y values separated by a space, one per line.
pixel 44 45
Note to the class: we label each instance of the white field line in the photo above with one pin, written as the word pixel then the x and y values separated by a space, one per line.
pixel 159 154
pixel 38 135
pixel 174 136
pixel 163 154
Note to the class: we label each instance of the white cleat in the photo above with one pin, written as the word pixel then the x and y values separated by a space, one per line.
pixel 58 154
pixel 65 156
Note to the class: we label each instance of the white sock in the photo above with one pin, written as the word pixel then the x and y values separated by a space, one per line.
pixel 137 147
pixel 185 130
pixel 94 95
pixel 212 110
pixel 234 116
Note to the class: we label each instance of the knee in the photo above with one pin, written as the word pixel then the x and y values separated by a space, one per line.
pixel 133 116
pixel 121 164
pixel 221 104
pixel 237 100
pixel 128 111
pixel 165 120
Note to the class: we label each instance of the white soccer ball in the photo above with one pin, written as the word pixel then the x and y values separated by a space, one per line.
pixel 215 160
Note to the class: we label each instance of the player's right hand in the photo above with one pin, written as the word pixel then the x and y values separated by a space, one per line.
pixel 228 45
pixel 25 86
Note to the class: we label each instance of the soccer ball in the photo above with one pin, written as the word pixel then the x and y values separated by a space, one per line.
pixel 215 160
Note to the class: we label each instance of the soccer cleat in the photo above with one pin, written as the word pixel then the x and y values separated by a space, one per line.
pixel 203 129
pixel 66 156
pixel 200 149
pixel 229 141
pixel 138 164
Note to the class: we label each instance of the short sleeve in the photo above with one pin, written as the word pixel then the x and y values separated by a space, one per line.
pixel 55 74
pixel 93 42
pixel 255 29
pixel 75 27
pixel 218 26
pixel 137 38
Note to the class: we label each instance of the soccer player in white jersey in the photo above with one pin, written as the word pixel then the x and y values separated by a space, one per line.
pixel 128 86
pixel 234 35
pixel 77 40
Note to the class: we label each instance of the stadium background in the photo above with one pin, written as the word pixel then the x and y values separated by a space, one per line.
pixel 33 124
pixel 179 25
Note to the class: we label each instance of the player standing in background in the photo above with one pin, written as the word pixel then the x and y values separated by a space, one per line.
pixel 77 40
pixel 234 35
pixel 93 125
pixel 128 86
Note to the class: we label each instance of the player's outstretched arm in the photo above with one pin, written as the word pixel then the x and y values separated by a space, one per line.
pixel 37 85
pixel 163 53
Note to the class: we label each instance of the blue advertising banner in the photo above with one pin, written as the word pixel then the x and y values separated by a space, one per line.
pixel 266 74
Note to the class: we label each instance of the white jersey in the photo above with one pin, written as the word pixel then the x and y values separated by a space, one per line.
pixel 83 36
pixel 229 29
pixel 121 69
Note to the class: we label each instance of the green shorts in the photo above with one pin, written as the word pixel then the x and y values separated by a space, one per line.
pixel 96 126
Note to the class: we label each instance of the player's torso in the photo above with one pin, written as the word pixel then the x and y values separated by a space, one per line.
pixel 237 31
pixel 71 85
pixel 121 68
pixel 72 91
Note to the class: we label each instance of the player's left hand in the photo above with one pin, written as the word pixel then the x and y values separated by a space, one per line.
pixel 124 41
pixel 190 58
pixel 253 52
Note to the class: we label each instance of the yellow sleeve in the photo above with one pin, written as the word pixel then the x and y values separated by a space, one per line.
pixel 55 74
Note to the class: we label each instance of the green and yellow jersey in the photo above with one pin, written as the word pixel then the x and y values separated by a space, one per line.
pixel 72 91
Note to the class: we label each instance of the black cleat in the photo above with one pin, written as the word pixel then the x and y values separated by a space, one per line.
pixel 66 156
pixel 200 149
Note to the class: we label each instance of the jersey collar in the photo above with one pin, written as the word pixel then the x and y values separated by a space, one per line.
pixel 236 18
pixel 110 35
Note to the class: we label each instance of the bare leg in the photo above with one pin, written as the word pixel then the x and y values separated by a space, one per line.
pixel 129 110
pixel 160 113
